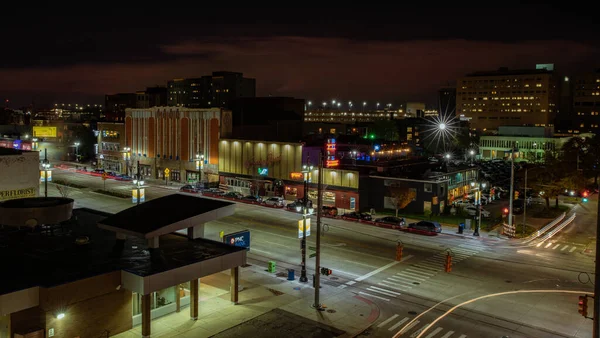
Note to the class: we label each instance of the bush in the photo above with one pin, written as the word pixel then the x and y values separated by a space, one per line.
pixel 68 184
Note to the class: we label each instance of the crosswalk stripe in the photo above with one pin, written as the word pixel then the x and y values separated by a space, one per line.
pixel 573 249
pixel 463 336
pixel 414 276
pixel 370 295
pixel 556 246
pixel 547 245
pixel 564 248
pixel 420 272
pixel 473 247
pixel 435 259
pixel 410 326
pixel 434 332
pixel 427 267
pixel 463 251
pixel 394 286
pixel 461 255
pixel 418 332
pixel 385 290
pixel 385 322
pixel 343 286
pixel 402 321
pixel 427 264
pixel 381 292
pixel 448 334
pixel 405 281
pixel 351 282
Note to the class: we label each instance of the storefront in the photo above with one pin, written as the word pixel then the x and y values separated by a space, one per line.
pixel 111 163
pixel 192 176
pixel 250 186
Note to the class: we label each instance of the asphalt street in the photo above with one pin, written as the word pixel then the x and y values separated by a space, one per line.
pixel 362 260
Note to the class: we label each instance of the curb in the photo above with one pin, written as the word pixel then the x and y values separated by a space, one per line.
pixel 373 316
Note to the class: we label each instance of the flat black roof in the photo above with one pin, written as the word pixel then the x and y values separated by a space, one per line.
pixel 10 151
pixel 40 259
pixel 161 212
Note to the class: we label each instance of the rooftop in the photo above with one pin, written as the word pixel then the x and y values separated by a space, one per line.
pixel 48 258
pixel 11 151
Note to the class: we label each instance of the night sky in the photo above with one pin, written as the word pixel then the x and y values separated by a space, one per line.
pixel 388 54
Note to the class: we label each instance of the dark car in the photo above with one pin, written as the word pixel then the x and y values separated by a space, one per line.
pixel 329 211
pixel 363 216
pixel 252 198
pixel 297 204
pixel 425 226
pixel 233 194
pixel 189 188
pixel 397 221
pixel 213 192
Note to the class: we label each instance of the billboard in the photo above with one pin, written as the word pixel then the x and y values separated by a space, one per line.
pixel 44 131
pixel 240 238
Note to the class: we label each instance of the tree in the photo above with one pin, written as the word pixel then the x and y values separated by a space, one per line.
pixel 548 178
pixel 64 190
pixel 401 196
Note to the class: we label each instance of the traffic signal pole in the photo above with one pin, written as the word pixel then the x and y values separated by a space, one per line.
pixel 596 327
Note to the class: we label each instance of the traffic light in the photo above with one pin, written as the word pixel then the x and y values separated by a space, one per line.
pixel 516 195
pixel 583 305
pixel 585 194
pixel 326 271
pixel 584 199
pixel 505 211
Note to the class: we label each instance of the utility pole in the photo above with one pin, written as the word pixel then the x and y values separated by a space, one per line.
pixel 512 187
pixel 596 327
pixel 525 203
pixel 317 304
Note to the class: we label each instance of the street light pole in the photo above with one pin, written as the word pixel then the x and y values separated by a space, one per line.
pixel 305 213
pixel 138 181
pixel 317 304
pixel 512 182
pixel 46 165
pixel 524 204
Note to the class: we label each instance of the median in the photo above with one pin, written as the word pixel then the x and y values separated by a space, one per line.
pixel 112 193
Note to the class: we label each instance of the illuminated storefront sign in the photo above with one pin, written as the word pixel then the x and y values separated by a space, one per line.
pixel 263 171
pixel 296 176
pixel 330 147
pixel 17 193
pixel 44 131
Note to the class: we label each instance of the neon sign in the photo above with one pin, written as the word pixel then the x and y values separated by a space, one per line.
pixel 330 147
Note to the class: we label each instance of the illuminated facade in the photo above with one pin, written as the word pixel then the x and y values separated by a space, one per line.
pixel 174 138
pixel 339 116
pixel 507 97
pixel 586 104
pixel 111 146
pixel 275 169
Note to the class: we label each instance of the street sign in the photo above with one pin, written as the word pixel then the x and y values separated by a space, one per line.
pixel 167 171
pixel 240 238
pixel 104 176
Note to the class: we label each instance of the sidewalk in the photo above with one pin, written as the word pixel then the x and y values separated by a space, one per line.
pixel 280 307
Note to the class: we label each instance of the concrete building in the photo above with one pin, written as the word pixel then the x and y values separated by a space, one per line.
pixel 112 150
pixel 20 173
pixel 217 90
pixel 585 114
pixel 276 169
pixel 415 109
pixel 184 140
pixel 508 97
pixel 351 116
pixel 116 104
pixel 93 274
pixel 151 97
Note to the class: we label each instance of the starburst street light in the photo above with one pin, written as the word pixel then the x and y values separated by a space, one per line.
pixel 442 126
pixel 440 130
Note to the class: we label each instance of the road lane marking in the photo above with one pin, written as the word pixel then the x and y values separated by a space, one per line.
pixel 573 249
pixel 416 333
pixel 384 323
pixel 420 272
pixel 410 326
pixel 350 282
pixel 547 245
pixel 448 334
pixel 342 286
pixel 556 246
pixel 399 280
pixel 413 276
pixel 426 269
pixel 387 266
pixel 463 336
pixel 385 290
pixel 434 332
pixel 370 295
pixel 564 248
pixel 398 324
pixel 393 286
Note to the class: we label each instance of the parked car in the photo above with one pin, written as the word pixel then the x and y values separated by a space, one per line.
pixel 233 194
pixel 358 216
pixel 275 201
pixel 462 204
pixel 425 226
pixel 473 211
pixel 298 203
pixel 123 177
pixel 329 211
pixel 397 221
pixel 213 192
pixel 189 189
pixel 252 198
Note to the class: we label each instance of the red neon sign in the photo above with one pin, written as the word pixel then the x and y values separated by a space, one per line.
pixel 332 163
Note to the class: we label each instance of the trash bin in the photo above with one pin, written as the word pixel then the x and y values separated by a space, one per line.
pixel 271 266
pixel 461 228
pixel 290 274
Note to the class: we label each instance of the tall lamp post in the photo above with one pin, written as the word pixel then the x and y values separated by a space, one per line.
pixel 46 166
pixel 77 151
pixel 480 187
pixel 138 182
pixel 472 153
pixel 127 155
pixel 317 304
pixel 306 211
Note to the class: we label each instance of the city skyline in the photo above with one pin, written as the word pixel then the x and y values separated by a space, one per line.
pixel 378 55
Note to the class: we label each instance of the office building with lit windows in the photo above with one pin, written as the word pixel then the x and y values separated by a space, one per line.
pixel 351 116
pixel 508 97
pixel 217 90
pixel 586 103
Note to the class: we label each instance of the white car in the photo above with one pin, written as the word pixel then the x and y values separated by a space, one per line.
pixel 462 204
pixel 472 211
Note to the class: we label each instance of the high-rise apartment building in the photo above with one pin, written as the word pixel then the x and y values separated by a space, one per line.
pixel 586 103
pixel 115 105
pixel 217 90
pixel 508 97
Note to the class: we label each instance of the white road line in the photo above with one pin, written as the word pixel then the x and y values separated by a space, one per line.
pixel 405 281
pixel 381 292
pixel 430 265
pixel 398 324
pixel 416 333
pixel 463 336
pixel 547 245
pixel 564 248
pixel 556 246
pixel 385 290
pixel 350 282
pixel 385 322
pixel 370 295
pixel 448 334
pixel 410 326
pixel 387 266
pixel 573 249
pixel 393 286
pixel 419 272
pixel 342 286
pixel 426 269
pixel 411 275
pixel 465 252
pixel 435 259
pixel 434 332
